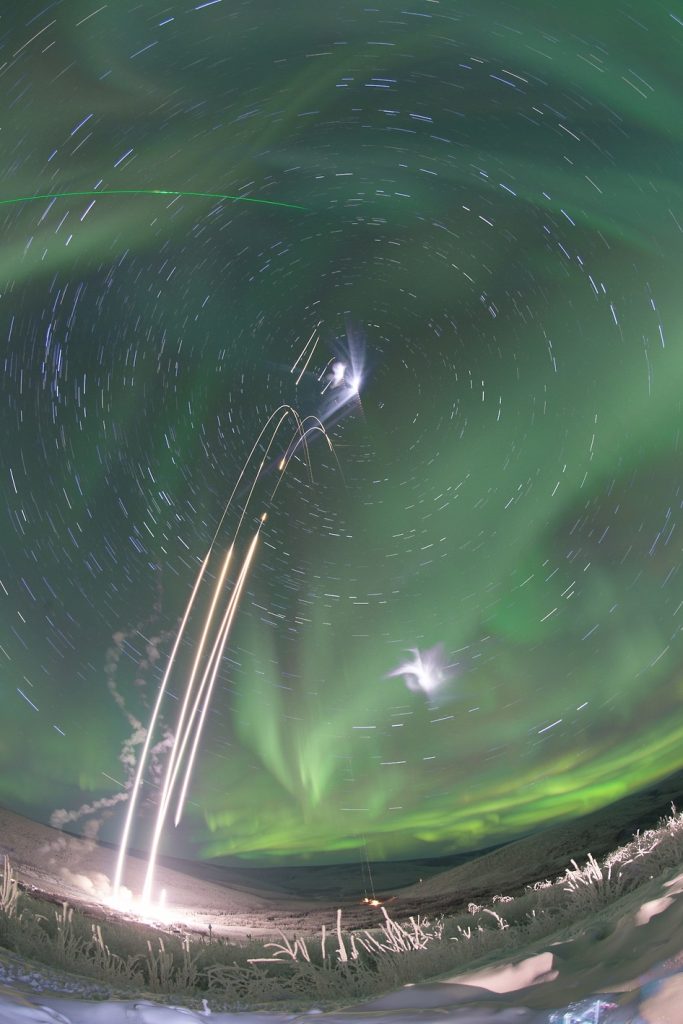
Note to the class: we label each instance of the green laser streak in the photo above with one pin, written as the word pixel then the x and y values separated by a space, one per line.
pixel 149 192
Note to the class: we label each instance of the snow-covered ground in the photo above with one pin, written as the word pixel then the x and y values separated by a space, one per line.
pixel 622 966
pixel 618 963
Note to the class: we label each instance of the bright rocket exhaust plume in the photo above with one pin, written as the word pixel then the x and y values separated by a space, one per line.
pixel 184 731
pixel 198 697
pixel 150 730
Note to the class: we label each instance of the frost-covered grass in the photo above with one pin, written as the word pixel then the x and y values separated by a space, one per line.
pixel 336 966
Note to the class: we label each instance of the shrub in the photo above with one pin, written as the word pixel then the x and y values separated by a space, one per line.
pixel 337 966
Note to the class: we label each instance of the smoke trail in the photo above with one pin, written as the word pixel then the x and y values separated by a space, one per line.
pixel 128 756
pixel 60 818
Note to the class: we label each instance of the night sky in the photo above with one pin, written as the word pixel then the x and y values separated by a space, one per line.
pixel 471 626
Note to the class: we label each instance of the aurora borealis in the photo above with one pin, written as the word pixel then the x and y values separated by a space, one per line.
pixel 485 200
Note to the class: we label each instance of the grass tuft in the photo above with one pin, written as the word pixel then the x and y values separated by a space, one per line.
pixel 337 966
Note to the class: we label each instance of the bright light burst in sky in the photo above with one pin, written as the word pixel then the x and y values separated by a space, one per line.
pixel 454 234
pixel 425 672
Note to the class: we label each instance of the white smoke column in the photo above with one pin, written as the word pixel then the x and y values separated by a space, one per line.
pixel 102 807
pixel 60 818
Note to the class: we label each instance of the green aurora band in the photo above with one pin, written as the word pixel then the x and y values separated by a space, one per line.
pixel 489 198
